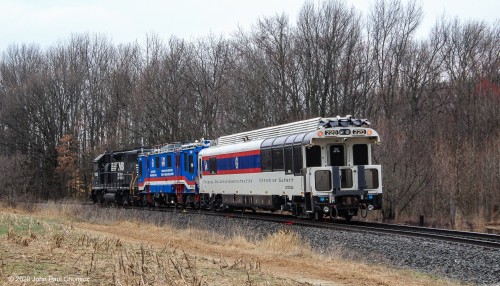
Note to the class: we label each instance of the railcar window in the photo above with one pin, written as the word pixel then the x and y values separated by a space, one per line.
pixel 360 154
pixel 157 162
pixel 323 180
pixel 337 155
pixel 313 156
pixel 288 152
pixel 297 160
pixel 371 176
pixel 169 161
pixel 278 159
pixel 191 164
pixel 186 163
pixel 212 162
pixel 266 159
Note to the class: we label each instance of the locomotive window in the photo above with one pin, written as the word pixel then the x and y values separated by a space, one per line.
pixel 212 162
pixel 169 161
pixel 313 156
pixel 140 169
pixel 337 155
pixel 288 160
pixel 157 162
pixel 266 159
pixel 360 154
pixel 278 159
pixel 191 164
pixel 186 163
pixel 297 160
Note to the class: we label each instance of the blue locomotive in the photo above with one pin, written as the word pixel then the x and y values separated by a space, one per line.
pixel 167 175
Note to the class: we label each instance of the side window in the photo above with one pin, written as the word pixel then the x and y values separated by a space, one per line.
pixel 140 169
pixel 313 156
pixel 157 162
pixel 266 159
pixel 212 162
pixel 169 161
pixel 278 159
pixel 360 154
pixel 288 154
pixel 297 160
pixel 186 163
pixel 191 164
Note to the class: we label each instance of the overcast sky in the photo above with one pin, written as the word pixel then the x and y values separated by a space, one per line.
pixel 45 22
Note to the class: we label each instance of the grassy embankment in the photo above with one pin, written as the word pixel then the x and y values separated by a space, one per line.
pixel 73 244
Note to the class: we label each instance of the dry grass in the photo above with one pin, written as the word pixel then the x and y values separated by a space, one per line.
pixel 66 241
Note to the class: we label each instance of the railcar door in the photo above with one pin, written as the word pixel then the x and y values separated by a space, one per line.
pixel 313 176
pixel 337 155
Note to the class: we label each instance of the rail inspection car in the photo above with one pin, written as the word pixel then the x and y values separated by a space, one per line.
pixel 312 168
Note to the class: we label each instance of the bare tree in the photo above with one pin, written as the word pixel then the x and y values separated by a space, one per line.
pixel 331 56
pixel 208 76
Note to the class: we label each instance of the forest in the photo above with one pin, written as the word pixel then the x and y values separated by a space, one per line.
pixel 434 100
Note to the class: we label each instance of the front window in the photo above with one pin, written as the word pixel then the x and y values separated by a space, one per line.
pixel 360 154
pixel 313 156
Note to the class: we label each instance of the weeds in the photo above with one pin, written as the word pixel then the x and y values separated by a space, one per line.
pixel 139 248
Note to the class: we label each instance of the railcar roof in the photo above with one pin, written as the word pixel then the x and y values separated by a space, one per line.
pixel 303 126
pixel 234 148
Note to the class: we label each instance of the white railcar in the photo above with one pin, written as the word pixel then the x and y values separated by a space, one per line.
pixel 315 167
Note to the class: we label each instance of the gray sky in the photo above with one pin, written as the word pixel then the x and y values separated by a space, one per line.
pixel 45 22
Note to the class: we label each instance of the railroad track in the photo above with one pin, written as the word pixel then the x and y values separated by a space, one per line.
pixel 462 237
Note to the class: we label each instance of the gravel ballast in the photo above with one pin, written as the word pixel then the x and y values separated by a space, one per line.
pixel 456 261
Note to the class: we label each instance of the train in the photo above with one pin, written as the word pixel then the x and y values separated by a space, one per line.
pixel 314 168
